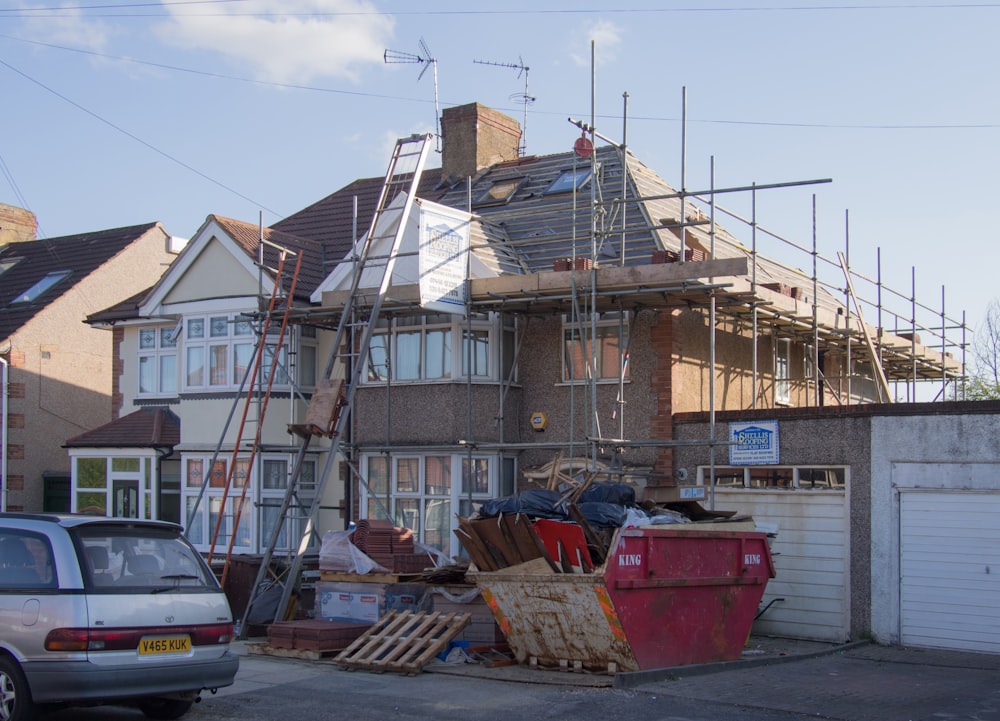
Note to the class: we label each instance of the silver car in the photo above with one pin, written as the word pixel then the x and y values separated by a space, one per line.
pixel 107 611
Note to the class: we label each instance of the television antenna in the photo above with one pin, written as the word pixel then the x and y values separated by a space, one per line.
pixel 523 98
pixel 392 57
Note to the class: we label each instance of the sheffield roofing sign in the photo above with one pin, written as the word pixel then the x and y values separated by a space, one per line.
pixel 753 443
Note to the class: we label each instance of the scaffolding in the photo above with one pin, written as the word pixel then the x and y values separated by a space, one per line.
pixel 899 349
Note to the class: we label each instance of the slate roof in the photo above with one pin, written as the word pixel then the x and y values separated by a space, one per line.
pixel 330 221
pixel 535 228
pixel 80 254
pixel 145 428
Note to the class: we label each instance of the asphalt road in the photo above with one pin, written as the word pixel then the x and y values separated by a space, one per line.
pixel 858 684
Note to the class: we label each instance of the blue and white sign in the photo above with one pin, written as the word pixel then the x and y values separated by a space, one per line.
pixel 753 443
pixel 443 255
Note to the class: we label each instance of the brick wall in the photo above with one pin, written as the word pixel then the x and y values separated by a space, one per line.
pixel 476 137
pixel 117 368
pixel 661 423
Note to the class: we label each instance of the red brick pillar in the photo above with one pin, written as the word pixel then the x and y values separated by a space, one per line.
pixel 661 424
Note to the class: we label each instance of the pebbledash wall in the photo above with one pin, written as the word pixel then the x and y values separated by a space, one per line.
pixel 888 449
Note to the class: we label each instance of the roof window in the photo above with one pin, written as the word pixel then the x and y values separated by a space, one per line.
pixel 569 180
pixel 49 280
pixel 6 265
pixel 500 192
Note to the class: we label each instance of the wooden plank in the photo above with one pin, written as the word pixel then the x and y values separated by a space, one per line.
pixel 472 543
pixel 598 547
pixel 518 529
pixel 445 632
pixel 492 535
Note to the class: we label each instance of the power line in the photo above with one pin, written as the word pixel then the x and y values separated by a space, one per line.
pixel 136 138
pixel 636 118
pixel 34 12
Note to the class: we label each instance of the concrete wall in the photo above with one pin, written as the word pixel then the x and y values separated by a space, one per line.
pixel 950 446
pixel 807 437
pixel 886 447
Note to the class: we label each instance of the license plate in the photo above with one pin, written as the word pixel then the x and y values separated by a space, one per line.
pixel 164 644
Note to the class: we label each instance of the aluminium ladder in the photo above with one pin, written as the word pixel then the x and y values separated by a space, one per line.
pixel 377 251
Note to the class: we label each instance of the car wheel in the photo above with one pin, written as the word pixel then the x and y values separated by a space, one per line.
pixel 164 708
pixel 15 697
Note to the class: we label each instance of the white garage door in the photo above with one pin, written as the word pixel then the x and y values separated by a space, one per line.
pixel 809 590
pixel 950 569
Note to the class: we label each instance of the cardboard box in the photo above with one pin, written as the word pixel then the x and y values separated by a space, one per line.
pixel 367 602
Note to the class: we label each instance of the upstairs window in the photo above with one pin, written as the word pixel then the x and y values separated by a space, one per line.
pixel 41 286
pixel 219 352
pixel 158 361
pixel 783 371
pixel 434 348
pixel 591 352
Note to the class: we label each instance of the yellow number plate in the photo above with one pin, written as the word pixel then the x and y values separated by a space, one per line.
pixel 164 644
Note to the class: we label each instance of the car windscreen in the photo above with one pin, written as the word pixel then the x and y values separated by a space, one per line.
pixel 136 558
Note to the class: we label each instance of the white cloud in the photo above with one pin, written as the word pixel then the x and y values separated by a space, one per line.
pixel 68 27
pixel 606 37
pixel 286 41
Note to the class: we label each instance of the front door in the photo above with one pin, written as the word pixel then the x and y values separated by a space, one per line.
pixel 126 495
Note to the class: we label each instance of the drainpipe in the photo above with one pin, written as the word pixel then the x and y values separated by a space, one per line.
pixel 3 434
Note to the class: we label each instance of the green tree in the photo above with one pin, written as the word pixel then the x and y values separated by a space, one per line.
pixel 984 383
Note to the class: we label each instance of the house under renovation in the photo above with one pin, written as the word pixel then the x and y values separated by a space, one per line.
pixel 482 326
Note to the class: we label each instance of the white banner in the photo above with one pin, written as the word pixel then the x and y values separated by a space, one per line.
pixel 443 255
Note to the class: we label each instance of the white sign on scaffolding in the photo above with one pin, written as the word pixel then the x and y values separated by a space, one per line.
pixel 443 258
pixel 753 443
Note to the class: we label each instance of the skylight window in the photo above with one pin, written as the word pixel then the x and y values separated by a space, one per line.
pixel 569 180
pixel 41 286
pixel 500 192
pixel 6 265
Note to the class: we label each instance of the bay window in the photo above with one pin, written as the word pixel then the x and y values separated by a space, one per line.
pixel 595 350
pixel 268 481
pixel 219 350
pixel 437 348
pixel 417 491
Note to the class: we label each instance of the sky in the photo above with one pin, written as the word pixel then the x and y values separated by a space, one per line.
pixel 117 113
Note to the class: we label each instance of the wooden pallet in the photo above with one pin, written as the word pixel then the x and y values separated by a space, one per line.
pixel 266 649
pixel 403 641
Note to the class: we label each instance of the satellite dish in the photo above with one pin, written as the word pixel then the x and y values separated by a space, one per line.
pixel 583 147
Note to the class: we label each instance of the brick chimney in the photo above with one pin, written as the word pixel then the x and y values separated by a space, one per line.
pixel 476 137
pixel 16 225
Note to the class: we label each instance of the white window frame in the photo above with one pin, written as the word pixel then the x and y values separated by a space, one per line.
pixel 607 326
pixel 255 526
pixel 443 333
pixel 222 336
pixel 782 371
pixel 459 500
pixel 145 478
pixel 158 355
